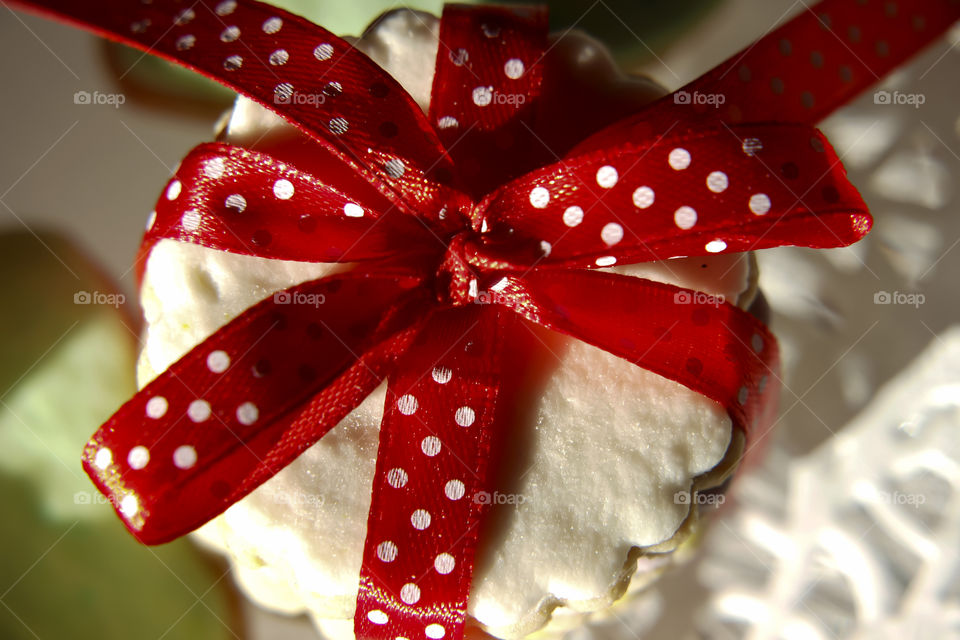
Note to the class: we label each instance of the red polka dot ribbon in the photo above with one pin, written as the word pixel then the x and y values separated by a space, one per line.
pixel 462 229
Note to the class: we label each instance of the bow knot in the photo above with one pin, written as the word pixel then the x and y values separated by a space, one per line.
pixel 457 277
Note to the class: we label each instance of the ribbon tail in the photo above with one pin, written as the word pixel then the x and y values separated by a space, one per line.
pixel 248 400
pixel 436 457
pixel 803 71
pixel 692 338
pixel 317 81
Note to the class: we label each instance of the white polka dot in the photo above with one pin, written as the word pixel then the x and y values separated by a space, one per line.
pixel 482 96
pixel 226 8
pixel 751 146
pixel 715 246
pixel 410 593
pixel 183 17
pixel 444 563
pixel 513 68
pixel 685 217
pixel 184 456
pixel 611 234
pixel 338 126
pixel 757 342
pixel 435 631
pixel 759 203
pixel 282 93
pixel 447 122
pixel 186 42
pixel 378 617
pixel 643 197
pixel 156 407
pixel 199 410
pixel 431 446
pixel 230 34
pixel 138 457
pixel 459 57
pixel 545 247
pixel 352 210
pixel 465 416
pixel 407 404
pixel 420 519
pixel 103 458
pixel 218 361
pixel 397 478
pixel 605 261
pixel 151 220
pixel 236 201
pixel 679 159
pixel 129 505
pixel 323 52
pixel 247 413
pixel 190 220
pixel 573 216
pixel 539 197
pixel 454 489
pixel 762 384
pixel 173 190
pixel 607 176
pixel 214 168
pixel 442 375
pixel 272 25
pixel 387 551
pixel 717 182
pixel 283 189
pixel 742 395
pixel 395 168
pixel 279 57
pixel 232 63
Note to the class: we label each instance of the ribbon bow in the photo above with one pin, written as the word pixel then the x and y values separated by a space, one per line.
pixel 462 226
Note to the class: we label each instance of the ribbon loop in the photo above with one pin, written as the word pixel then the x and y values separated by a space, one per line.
pixel 243 404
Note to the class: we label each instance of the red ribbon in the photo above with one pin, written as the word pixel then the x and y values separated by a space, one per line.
pixel 463 227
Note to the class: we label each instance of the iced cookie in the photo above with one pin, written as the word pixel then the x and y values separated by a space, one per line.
pixel 604 454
